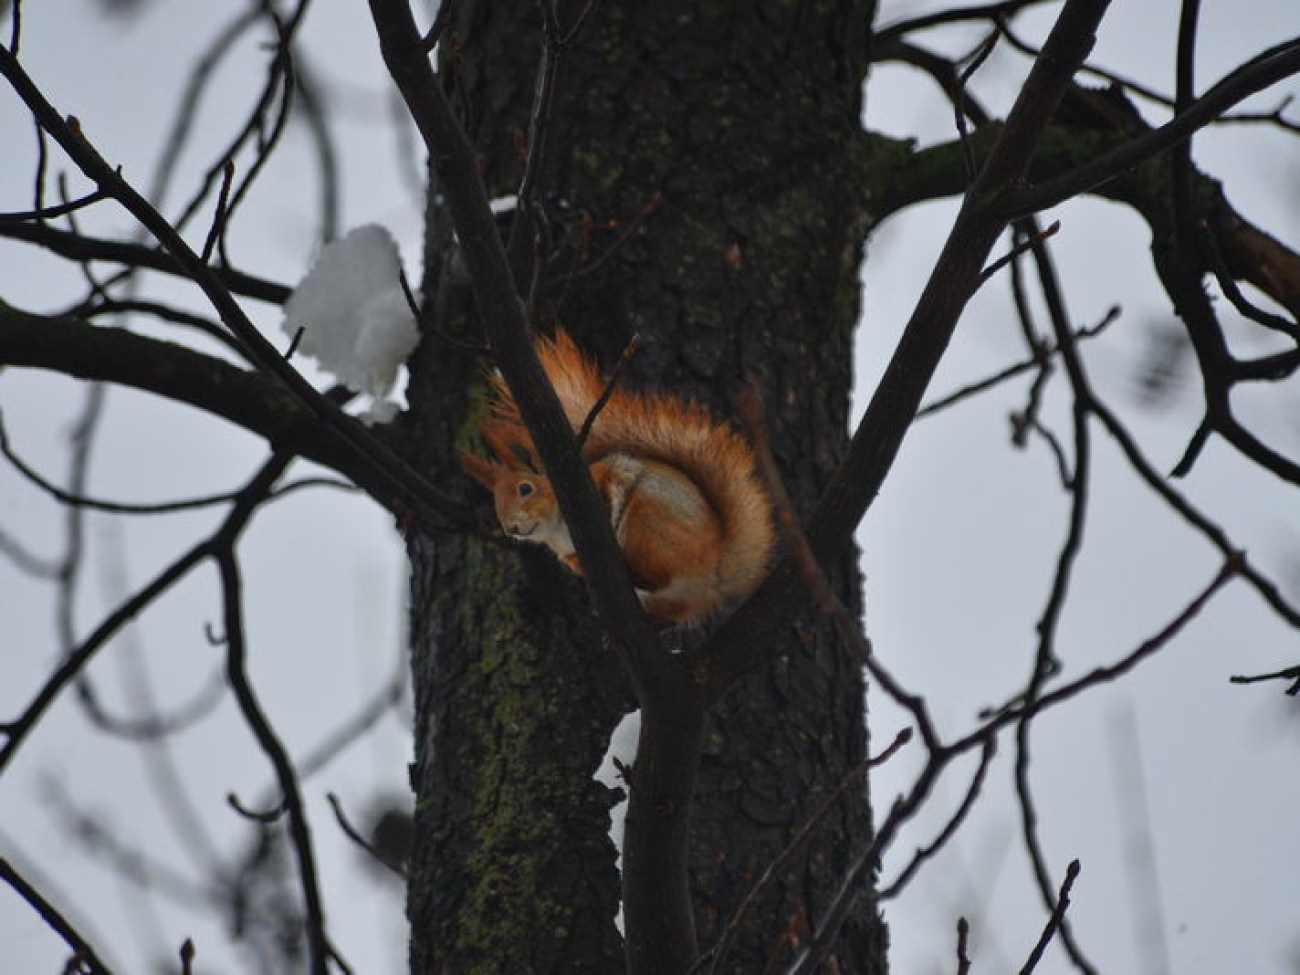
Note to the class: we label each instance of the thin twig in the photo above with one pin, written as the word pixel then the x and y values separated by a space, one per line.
pixel 17 730
pixel 163 312
pixel 1002 717
pixel 1046 662
pixel 977 59
pixel 1290 673
pixel 187 111
pixel 954 15
pixel 16 28
pixel 1055 921
pixel 954 823
pixel 269 741
pixel 137 866
pixel 156 726
pixel 440 20
pixel 58 210
pixel 77 500
pixel 264 818
pixel 1020 248
pixel 1010 372
pixel 218 229
pixel 942 755
pixel 628 351
pixel 25 560
pixel 1231 291
pixel 314 105
pixel 429 325
pixel 351 833
pixel 85 955
pixel 77 657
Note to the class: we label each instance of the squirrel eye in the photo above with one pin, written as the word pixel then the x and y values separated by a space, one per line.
pixel 525 489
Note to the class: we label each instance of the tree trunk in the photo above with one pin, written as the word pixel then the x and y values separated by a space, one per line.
pixel 704 188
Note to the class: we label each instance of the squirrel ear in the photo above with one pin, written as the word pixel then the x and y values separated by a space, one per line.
pixel 525 457
pixel 482 470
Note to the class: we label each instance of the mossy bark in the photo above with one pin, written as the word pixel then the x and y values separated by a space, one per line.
pixel 705 187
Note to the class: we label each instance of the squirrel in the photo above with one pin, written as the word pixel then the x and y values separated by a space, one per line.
pixel 682 491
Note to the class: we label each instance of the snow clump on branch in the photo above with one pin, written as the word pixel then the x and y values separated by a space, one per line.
pixel 354 316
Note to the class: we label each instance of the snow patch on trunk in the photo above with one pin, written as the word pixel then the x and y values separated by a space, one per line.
pixel 621 751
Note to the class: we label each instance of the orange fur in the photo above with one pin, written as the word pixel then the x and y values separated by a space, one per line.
pixel 687 507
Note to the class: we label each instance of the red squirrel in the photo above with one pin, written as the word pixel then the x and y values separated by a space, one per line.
pixel 681 489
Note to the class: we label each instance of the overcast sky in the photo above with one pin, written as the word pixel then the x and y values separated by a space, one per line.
pixel 958 551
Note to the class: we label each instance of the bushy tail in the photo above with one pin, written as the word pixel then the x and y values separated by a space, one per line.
pixel 673 431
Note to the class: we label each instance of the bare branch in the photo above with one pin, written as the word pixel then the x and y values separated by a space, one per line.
pixel 367 450
pixel 1054 922
pixel 739 644
pixel 58 210
pixel 81 247
pixel 956 15
pixel 1231 569
pixel 75 661
pixel 500 308
pixel 27 561
pixel 1010 372
pixel 286 776
pixel 83 952
pixel 135 865
pixel 629 350
pixel 187 105
pixel 1020 248
pixel 950 828
pixel 220 216
pixel 350 831
pixel 263 817
pixel 942 755
pixel 1255 75
pixel 1290 673
pixel 253 401
pixel 116 507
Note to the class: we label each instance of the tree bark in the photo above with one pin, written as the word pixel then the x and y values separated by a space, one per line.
pixel 704 187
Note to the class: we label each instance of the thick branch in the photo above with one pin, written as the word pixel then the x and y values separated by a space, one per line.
pixel 252 400
pixel 1251 254
pixel 384 467
pixel 1258 74
pixel 740 643
pixel 502 314
pixel 1090 122
pixel 76 348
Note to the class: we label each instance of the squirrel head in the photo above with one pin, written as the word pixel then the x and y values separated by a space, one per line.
pixel 525 503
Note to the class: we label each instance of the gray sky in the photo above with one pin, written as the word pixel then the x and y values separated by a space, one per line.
pixel 959 550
